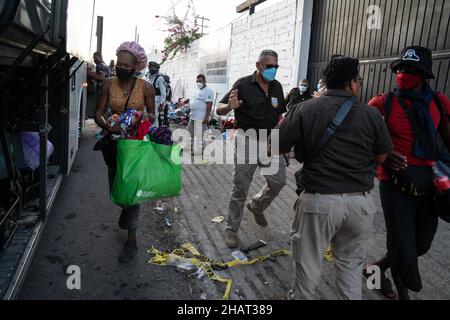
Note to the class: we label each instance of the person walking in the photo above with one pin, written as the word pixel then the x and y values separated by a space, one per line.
pixel 258 103
pixel 101 72
pixel 158 82
pixel 112 68
pixel 120 93
pixel 339 140
pixel 406 180
pixel 201 108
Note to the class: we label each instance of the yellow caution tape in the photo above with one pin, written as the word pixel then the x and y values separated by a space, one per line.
pixel 188 252
pixel 329 255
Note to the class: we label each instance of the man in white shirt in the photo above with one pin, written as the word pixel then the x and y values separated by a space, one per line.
pixel 201 107
pixel 158 82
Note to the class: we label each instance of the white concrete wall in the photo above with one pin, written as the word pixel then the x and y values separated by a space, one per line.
pixel 184 67
pixel 303 39
pixel 272 28
pixel 284 27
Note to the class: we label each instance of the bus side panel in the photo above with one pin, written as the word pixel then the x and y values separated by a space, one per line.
pixel 77 108
pixel 79 28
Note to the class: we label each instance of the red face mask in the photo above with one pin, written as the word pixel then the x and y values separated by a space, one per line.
pixel 406 81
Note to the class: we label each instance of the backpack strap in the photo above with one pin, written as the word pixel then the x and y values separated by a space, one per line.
pixel 444 118
pixel 440 107
pixel 156 79
pixel 131 93
pixel 388 100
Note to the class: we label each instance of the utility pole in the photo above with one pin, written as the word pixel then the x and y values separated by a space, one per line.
pixel 136 35
pixel 92 28
pixel 248 5
pixel 204 26
pixel 99 34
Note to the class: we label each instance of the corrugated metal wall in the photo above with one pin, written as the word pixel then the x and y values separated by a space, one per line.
pixel 340 27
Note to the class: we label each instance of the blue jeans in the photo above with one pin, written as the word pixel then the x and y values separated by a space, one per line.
pixel 411 224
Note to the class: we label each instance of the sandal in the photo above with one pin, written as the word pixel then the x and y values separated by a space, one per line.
pixel 386 286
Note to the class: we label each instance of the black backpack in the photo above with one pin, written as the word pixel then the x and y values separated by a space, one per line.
pixel 166 84
pixel 168 88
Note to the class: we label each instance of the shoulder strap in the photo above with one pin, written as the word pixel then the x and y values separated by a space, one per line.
pixel 444 119
pixel 342 114
pixel 156 79
pixel 131 93
pixel 440 107
pixel 389 98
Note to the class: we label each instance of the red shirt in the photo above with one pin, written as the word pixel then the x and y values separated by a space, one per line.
pixel 401 130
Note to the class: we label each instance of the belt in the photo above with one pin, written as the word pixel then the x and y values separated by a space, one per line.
pixel 353 194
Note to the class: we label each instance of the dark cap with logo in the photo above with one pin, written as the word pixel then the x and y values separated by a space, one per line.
pixel 416 57
pixel 153 64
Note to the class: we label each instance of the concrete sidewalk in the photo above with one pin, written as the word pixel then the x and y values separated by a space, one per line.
pixel 206 195
pixel 83 231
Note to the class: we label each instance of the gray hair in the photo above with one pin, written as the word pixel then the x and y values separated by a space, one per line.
pixel 267 53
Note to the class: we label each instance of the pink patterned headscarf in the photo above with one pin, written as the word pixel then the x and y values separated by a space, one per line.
pixel 139 52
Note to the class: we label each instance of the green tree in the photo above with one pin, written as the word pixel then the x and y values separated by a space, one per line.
pixel 181 35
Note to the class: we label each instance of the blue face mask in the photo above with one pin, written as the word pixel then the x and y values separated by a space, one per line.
pixel 270 74
pixel 303 89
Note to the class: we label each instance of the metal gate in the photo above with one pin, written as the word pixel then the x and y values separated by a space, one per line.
pixel 341 27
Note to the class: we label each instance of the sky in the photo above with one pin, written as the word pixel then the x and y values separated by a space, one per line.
pixel 122 17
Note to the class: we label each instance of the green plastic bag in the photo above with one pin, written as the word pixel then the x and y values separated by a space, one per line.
pixel 146 171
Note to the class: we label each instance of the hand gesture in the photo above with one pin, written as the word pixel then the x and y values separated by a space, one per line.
pixel 234 102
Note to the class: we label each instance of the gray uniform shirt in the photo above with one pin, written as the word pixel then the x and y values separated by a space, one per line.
pixel 347 163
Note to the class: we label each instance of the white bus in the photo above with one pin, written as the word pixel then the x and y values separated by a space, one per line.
pixel 43 48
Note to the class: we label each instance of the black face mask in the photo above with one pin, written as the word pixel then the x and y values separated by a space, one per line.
pixel 124 74
pixel 152 72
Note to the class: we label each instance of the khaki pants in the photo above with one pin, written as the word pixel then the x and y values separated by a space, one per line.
pixel 199 140
pixel 242 179
pixel 345 221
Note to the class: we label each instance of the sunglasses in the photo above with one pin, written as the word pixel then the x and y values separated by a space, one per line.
pixel 270 66
pixel 408 70
pixel 360 80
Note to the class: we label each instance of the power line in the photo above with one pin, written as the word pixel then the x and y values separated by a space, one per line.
pixel 238 18
pixel 204 26
pixel 173 7
pixel 158 17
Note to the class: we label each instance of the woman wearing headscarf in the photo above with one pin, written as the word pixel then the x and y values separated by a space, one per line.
pixel 116 91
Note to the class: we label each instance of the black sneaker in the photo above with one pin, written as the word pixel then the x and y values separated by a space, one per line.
pixel 128 252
